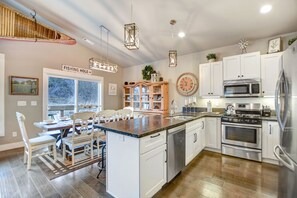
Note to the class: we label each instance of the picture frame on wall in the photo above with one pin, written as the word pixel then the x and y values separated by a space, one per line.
pixel 274 45
pixel 20 85
pixel 112 89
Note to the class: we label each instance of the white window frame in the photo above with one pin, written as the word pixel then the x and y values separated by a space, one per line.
pixel 70 75
pixel 2 92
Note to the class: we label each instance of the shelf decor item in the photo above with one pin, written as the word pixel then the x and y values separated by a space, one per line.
pixel 292 41
pixel 274 45
pixel 131 34
pixel 243 43
pixel 23 85
pixel 211 57
pixel 147 72
pixel 187 84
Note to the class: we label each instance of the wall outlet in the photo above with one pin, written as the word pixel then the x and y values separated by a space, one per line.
pixel 22 103
pixel 33 103
pixel 14 134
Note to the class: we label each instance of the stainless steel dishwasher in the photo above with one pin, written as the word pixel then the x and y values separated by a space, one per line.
pixel 175 151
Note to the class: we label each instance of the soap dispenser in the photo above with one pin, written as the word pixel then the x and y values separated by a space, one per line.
pixel 209 108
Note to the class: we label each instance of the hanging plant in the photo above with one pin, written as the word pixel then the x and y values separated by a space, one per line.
pixel 147 71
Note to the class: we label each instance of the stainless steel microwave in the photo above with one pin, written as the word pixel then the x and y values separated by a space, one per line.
pixel 242 88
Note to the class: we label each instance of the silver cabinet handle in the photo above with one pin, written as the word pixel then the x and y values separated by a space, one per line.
pixel 270 129
pixel 153 136
pixel 289 164
pixel 202 124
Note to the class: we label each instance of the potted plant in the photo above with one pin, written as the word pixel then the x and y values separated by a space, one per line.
pixel 292 41
pixel 147 71
pixel 211 57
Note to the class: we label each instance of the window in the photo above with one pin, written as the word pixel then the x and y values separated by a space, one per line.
pixel 66 93
pixel 2 67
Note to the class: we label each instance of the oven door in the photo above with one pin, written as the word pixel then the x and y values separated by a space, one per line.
pixel 237 90
pixel 242 135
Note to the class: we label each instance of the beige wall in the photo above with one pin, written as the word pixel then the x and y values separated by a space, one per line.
pixel 190 63
pixel 29 59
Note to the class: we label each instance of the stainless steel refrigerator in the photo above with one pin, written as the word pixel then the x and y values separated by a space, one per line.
pixel 286 112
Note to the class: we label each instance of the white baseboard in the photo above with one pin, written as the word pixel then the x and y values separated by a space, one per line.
pixel 10 146
pixel 270 161
pixel 213 150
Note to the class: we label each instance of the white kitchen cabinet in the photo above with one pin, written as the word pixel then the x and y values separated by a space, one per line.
pixel 195 139
pixel 211 79
pixel 213 133
pixel 231 66
pixel 245 66
pixel 271 138
pixel 153 169
pixel 270 68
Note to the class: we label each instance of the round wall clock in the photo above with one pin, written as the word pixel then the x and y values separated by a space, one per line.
pixel 187 84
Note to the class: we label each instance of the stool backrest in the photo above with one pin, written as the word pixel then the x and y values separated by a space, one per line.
pixel 124 114
pixel 106 116
pixel 21 120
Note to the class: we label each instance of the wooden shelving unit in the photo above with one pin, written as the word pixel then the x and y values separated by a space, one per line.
pixel 147 97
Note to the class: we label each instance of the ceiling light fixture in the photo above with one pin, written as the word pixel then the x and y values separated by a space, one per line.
pixel 88 41
pixel 172 53
pixel 265 9
pixel 131 34
pixel 103 64
pixel 181 34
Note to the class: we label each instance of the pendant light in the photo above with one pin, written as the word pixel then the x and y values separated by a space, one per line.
pixel 172 53
pixel 131 34
pixel 103 64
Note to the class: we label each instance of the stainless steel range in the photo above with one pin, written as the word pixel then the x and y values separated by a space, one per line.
pixel 242 131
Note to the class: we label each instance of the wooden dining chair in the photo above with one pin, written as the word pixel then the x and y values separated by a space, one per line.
pixel 83 131
pixel 33 144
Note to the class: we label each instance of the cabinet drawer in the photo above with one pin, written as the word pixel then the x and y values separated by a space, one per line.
pixel 196 124
pixel 152 141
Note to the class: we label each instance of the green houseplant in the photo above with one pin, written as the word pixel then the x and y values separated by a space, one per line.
pixel 292 41
pixel 211 57
pixel 147 71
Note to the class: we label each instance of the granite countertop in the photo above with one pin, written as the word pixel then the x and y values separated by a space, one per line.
pixel 140 127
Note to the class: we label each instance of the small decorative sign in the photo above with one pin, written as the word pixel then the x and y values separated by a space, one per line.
pixel 274 45
pixel 112 89
pixel 74 69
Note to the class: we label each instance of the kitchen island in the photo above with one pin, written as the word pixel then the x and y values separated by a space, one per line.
pixel 136 153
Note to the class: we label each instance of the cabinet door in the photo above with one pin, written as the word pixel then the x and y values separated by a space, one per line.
pixel 153 169
pixel 231 67
pixel 250 65
pixel 271 138
pixel 212 133
pixel 204 79
pixel 190 142
pixel 270 68
pixel 217 78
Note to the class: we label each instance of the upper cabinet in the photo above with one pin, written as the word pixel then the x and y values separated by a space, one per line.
pixel 211 79
pixel 245 66
pixel 270 68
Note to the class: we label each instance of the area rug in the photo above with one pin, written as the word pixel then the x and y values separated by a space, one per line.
pixel 60 167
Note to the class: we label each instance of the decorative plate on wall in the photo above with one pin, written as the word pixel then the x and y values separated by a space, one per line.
pixel 187 84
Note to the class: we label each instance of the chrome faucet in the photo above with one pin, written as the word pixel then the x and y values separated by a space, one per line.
pixel 173 108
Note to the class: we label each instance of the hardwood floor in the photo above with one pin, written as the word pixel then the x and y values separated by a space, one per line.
pixel 209 175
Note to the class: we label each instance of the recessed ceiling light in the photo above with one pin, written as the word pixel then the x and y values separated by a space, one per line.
pixel 265 9
pixel 181 34
pixel 88 41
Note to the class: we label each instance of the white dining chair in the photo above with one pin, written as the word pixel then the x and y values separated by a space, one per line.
pixel 104 116
pixel 130 108
pixel 123 114
pixel 83 131
pixel 33 144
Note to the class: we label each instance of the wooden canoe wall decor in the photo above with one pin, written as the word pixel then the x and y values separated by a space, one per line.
pixel 18 27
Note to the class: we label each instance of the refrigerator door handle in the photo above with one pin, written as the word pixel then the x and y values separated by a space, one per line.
pixel 290 164
pixel 277 110
pixel 286 105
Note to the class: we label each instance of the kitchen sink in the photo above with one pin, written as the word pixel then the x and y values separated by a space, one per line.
pixel 180 117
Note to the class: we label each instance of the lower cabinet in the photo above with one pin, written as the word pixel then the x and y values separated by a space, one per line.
pixel 153 169
pixel 271 138
pixel 213 133
pixel 195 139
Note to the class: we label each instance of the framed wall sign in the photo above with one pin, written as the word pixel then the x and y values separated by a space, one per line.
pixel 112 89
pixel 74 69
pixel 274 45
pixel 23 85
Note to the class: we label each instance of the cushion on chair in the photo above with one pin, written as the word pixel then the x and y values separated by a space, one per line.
pixel 42 140
pixel 77 139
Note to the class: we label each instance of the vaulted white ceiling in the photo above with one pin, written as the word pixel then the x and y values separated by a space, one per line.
pixel 207 23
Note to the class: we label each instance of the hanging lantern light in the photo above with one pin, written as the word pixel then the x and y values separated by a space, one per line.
pixel 131 34
pixel 131 37
pixel 172 58
pixel 172 53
